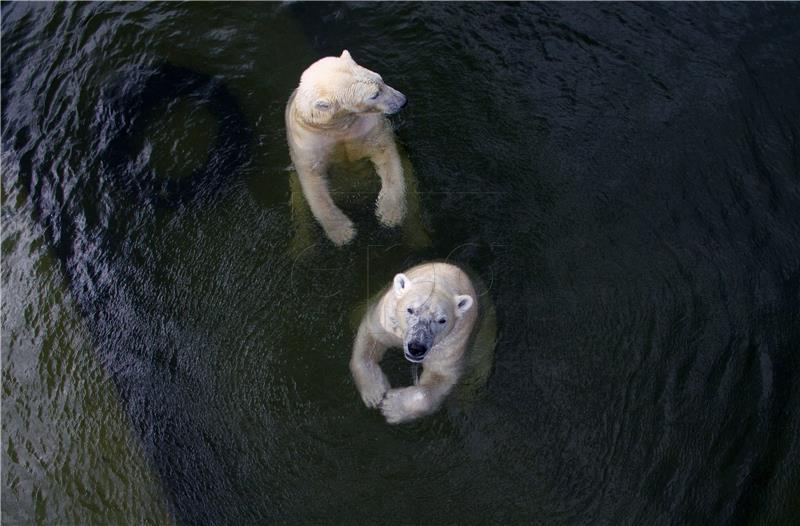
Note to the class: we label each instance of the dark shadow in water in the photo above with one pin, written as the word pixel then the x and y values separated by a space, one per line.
pixel 228 153
pixel 93 245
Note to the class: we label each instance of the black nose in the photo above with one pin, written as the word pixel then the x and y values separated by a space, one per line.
pixel 416 349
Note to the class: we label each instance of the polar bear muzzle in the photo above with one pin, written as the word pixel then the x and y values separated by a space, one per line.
pixel 418 341
pixel 415 351
pixel 394 100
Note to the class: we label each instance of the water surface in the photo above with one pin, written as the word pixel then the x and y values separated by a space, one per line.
pixel 623 177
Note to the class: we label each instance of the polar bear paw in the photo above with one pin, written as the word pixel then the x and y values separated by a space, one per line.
pixel 403 405
pixel 341 233
pixel 391 210
pixel 373 393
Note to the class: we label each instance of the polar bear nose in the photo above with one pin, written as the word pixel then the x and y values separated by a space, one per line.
pixel 417 349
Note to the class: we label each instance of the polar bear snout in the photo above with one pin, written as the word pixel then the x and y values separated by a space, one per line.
pixel 394 100
pixel 415 351
pixel 418 342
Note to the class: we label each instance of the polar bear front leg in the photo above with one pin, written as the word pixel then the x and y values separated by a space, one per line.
pixel 367 374
pixel 391 205
pixel 409 403
pixel 337 226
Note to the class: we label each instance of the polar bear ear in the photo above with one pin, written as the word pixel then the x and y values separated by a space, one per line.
pixel 463 304
pixel 401 283
pixel 346 56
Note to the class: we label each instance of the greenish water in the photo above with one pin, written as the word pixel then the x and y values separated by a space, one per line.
pixel 622 177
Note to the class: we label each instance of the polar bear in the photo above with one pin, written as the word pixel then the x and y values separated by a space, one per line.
pixel 430 311
pixel 338 112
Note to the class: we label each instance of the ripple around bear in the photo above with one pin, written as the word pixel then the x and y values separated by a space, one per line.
pixel 338 111
pixel 430 311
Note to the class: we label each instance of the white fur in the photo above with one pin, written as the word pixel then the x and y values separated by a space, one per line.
pixel 334 110
pixel 441 290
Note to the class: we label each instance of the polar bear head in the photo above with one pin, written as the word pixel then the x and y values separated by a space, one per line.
pixel 426 314
pixel 336 88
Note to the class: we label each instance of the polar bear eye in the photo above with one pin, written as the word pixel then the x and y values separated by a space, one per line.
pixel 375 95
pixel 442 321
pixel 410 310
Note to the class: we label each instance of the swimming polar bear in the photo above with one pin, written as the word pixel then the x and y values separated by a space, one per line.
pixel 430 311
pixel 338 111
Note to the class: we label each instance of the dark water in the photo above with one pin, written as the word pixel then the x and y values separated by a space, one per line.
pixel 625 178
